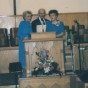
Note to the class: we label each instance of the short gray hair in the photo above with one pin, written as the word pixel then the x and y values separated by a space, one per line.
pixel 26 12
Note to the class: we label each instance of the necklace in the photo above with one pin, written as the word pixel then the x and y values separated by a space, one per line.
pixel 57 23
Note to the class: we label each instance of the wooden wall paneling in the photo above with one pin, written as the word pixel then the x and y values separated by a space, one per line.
pixel 82 19
pixel 18 20
pixel 87 20
pixel 45 82
pixel 63 18
pixel 84 57
pixel 85 61
pixel 71 18
pixel 47 17
pixel 34 17
pixel 76 59
pixel 6 57
pixel 67 18
pixel 77 63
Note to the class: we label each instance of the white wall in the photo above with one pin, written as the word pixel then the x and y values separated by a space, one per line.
pixel 63 6
pixel 6 7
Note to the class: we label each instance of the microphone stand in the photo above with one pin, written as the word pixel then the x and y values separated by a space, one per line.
pixel 42 28
pixel 72 57
pixel 42 25
pixel 79 46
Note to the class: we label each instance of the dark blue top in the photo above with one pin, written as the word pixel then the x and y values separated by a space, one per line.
pixel 55 28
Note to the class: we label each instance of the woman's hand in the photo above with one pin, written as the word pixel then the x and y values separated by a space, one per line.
pixel 26 38
pixel 60 35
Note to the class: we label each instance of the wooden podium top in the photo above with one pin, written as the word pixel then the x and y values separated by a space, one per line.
pixel 48 39
pixel 45 36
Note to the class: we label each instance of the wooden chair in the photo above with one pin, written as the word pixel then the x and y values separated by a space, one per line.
pixel 4 42
pixel 14 40
pixel 16 69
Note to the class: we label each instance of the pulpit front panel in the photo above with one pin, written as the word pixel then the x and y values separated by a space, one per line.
pixel 55 51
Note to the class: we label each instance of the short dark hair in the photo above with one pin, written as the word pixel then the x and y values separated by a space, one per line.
pixel 53 11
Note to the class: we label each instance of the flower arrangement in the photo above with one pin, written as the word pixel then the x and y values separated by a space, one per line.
pixel 45 65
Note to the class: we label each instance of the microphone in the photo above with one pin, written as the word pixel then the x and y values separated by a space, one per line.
pixel 42 28
pixel 42 24
pixel 76 21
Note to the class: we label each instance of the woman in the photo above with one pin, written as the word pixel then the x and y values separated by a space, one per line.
pixel 24 33
pixel 55 25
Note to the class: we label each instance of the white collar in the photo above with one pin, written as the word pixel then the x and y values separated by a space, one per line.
pixel 41 21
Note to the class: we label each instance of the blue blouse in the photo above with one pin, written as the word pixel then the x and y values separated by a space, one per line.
pixel 23 31
pixel 55 28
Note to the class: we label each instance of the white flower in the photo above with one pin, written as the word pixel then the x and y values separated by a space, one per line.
pixel 52 61
pixel 36 69
pixel 49 63
pixel 48 60
pixel 36 64
pixel 40 62
pixel 47 69
pixel 57 23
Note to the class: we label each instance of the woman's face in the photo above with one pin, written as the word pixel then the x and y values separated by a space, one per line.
pixel 28 17
pixel 53 16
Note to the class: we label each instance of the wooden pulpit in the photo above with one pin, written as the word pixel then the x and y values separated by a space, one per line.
pixel 48 41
